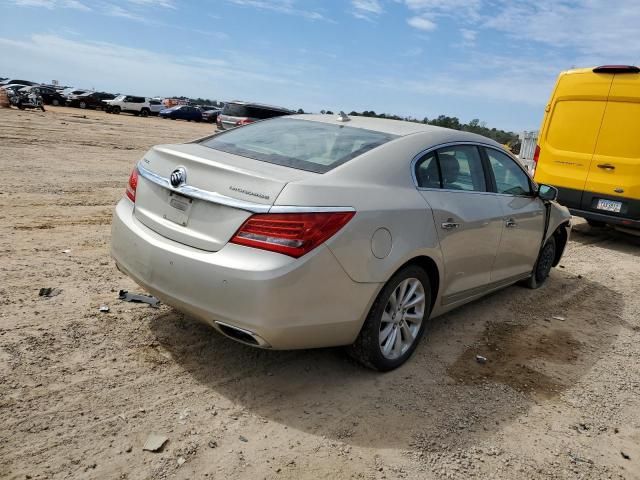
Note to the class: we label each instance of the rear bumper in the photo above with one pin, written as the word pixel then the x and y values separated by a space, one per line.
pixel 603 217
pixel 287 303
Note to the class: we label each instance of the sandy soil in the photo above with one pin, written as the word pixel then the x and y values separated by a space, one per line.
pixel 81 390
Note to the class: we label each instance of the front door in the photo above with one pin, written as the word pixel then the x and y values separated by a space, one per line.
pixel 523 217
pixel 468 218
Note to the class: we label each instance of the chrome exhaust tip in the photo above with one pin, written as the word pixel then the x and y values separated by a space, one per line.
pixel 241 335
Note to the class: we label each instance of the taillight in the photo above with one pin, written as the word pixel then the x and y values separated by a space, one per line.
pixel 293 234
pixel 536 157
pixel 132 185
pixel 244 121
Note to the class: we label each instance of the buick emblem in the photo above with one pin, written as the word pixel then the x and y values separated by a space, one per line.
pixel 178 177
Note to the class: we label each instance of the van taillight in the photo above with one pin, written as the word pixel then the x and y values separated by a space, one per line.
pixel 536 157
pixel 293 234
pixel 132 185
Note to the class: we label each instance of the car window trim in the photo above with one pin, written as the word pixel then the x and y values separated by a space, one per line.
pixel 532 184
pixel 479 145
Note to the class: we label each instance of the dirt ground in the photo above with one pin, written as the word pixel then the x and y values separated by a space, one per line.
pixel 80 390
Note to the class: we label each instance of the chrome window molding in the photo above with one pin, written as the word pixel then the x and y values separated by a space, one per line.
pixel 214 197
pixel 421 154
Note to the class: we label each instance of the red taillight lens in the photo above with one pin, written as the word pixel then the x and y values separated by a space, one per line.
pixel 293 234
pixel 244 121
pixel 132 185
pixel 536 157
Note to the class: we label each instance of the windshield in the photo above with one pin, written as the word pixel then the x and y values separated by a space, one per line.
pixel 301 144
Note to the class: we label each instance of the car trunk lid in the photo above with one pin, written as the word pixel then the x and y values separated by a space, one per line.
pixel 219 193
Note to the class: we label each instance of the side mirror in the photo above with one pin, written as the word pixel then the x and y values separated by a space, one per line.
pixel 547 193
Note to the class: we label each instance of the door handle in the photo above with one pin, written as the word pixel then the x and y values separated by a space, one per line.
pixel 450 225
pixel 606 166
pixel 511 223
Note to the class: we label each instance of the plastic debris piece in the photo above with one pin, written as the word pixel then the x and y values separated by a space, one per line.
pixel 480 359
pixel 137 298
pixel 155 442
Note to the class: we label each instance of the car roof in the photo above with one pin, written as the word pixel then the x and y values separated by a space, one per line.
pixel 398 127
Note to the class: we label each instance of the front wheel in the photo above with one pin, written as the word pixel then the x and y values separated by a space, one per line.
pixel 543 265
pixel 396 322
pixel 116 110
pixel 55 102
pixel 144 112
pixel 83 105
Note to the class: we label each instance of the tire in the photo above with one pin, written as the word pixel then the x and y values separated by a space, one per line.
pixel 83 105
pixel 144 112
pixel 116 110
pixel 55 102
pixel 595 223
pixel 400 325
pixel 543 265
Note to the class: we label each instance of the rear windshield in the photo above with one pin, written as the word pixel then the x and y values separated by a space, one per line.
pixel 300 144
pixel 251 111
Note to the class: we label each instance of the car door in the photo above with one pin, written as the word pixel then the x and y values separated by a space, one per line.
pixel 468 218
pixel 523 217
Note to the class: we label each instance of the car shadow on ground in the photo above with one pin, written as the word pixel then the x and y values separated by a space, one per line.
pixel 607 237
pixel 443 396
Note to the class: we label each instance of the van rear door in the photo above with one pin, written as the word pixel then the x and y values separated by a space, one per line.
pixel 568 139
pixel 613 182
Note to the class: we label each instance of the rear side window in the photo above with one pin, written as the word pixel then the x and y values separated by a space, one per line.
pixel 510 178
pixel 235 110
pixel 300 144
pixel 428 172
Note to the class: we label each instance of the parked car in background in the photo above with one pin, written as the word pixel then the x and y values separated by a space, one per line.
pixel 155 106
pixel 128 104
pixel 236 114
pixel 210 114
pixel 344 231
pixel 182 112
pixel 589 144
pixel 13 87
pixel 51 96
pixel 26 83
pixel 48 96
pixel 89 100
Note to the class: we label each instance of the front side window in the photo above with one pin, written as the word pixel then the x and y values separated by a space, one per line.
pixel 301 144
pixel 510 178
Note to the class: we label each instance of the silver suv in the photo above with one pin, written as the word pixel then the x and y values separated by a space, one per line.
pixel 236 114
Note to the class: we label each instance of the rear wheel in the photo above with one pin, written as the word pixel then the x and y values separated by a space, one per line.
pixel 543 265
pixel 55 102
pixel 144 112
pixel 115 110
pixel 396 321
pixel 83 105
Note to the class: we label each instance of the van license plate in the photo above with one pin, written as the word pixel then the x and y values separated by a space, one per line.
pixel 609 205
pixel 180 208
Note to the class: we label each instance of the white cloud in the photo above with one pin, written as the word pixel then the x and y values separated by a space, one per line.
pixel 468 37
pixel 366 9
pixel 422 23
pixel 598 29
pixel 155 3
pixel 281 6
pixel 464 10
pixel 51 4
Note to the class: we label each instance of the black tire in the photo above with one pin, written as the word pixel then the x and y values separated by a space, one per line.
pixel 55 102
pixel 366 349
pixel 116 110
pixel 595 223
pixel 82 105
pixel 144 112
pixel 543 265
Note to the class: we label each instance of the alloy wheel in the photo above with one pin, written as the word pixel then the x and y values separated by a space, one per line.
pixel 402 318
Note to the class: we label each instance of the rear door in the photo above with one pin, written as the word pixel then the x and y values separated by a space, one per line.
pixel 523 217
pixel 613 183
pixel 568 140
pixel 468 218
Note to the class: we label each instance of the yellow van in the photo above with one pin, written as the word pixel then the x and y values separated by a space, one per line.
pixel 589 144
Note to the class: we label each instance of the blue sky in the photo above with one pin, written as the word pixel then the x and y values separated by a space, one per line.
pixel 490 59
